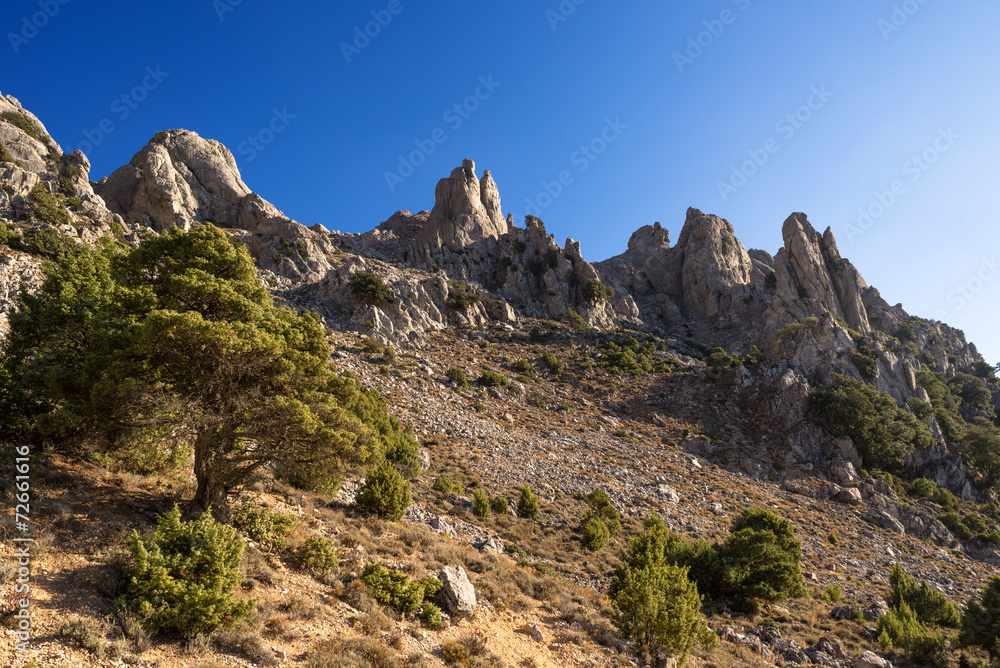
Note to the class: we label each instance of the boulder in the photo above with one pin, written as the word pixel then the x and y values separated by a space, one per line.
pixel 458 592
pixel 870 659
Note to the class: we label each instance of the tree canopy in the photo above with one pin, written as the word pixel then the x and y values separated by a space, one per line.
pixel 177 340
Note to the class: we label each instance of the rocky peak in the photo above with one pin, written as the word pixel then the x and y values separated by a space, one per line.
pixel 810 267
pixel 467 209
pixel 180 179
pixel 649 238
pixel 710 261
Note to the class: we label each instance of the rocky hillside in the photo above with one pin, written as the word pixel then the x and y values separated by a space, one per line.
pixel 677 377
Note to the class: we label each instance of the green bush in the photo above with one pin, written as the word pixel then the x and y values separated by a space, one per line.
pixel 524 366
pixel 981 623
pixel 500 505
pixel 929 605
pixel 492 379
pixel 922 488
pixel 184 576
pixel 631 357
pixel 481 504
pixel 884 433
pixel 371 346
pixel 527 505
pixel 574 320
pixel 445 484
pixel 833 593
pixel 456 375
pixel 394 588
pixel 865 359
pixel 318 554
pixel 369 287
pixel 595 532
pixel 431 614
pixel 385 493
pixel 262 525
pixel 596 292
pixel 44 206
pixel 21 121
pixel 600 505
pixel 761 558
pixel 453 652
pixel 461 296
pixel 981 451
pixel 552 363
pixel 956 526
pixel 659 608
pixel 719 359
pixel 901 629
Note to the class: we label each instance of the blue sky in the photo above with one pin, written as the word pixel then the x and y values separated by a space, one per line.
pixel 746 109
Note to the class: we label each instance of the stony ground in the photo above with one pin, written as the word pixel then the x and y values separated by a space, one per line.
pixel 669 443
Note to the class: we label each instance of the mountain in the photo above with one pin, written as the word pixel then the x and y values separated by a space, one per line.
pixel 718 411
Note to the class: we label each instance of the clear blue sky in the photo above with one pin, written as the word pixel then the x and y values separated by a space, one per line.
pixel 891 87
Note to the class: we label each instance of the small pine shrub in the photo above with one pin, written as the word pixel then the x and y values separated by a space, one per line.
pixel 431 614
pixel 900 628
pixel 595 532
pixel 659 608
pixel 596 292
pixel 371 346
pixel 456 375
pixel 385 493
pixel 445 484
pixel 832 594
pixel 524 366
pixel 980 623
pixel 369 287
pixel 461 296
pixel 492 379
pixel 184 576
pixel 500 505
pixel 575 321
pixel 481 504
pixel 393 588
pixel 528 504
pixel 552 363
pixel 922 488
pixel 262 525
pixel 956 526
pixel 929 605
pixel 44 206
pixel 318 554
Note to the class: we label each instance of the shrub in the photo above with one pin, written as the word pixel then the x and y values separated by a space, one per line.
pixel 21 121
pixel 980 623
pixel 574 320
pixel 905 331
pixel 500 505
pixel 761 558
pixel 719 359
pixel 524 366
pixel 393 588
pixel 318 554
pixel 600 504
pixel 981 451
pixel 596 292
pixel 956 525
pixel 44 206
pixel 922 488
pixel 884 433
pixel 456 375
pixel 527 505
pixel 982 370
pixel 552 363
pixel 900 628
pixel 445 484
pixel 371 346
pixel 455 652
pixel 85 633
pixel 347 652
pixel 833 593
pixel 595 532
pixel 461 296
pixel 262 525
pixel 184 576
pixel 929 605
pixel 431 614
pixel 865 359
pixel 658 607
pixel 481 504
pixel 385 492
pixel 369 287
pixel 492 379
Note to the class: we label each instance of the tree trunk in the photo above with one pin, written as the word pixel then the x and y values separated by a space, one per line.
pixel 210 495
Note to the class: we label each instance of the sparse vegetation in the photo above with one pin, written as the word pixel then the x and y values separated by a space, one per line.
pixel 527 504
pixel 385 492
pixel 370 288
